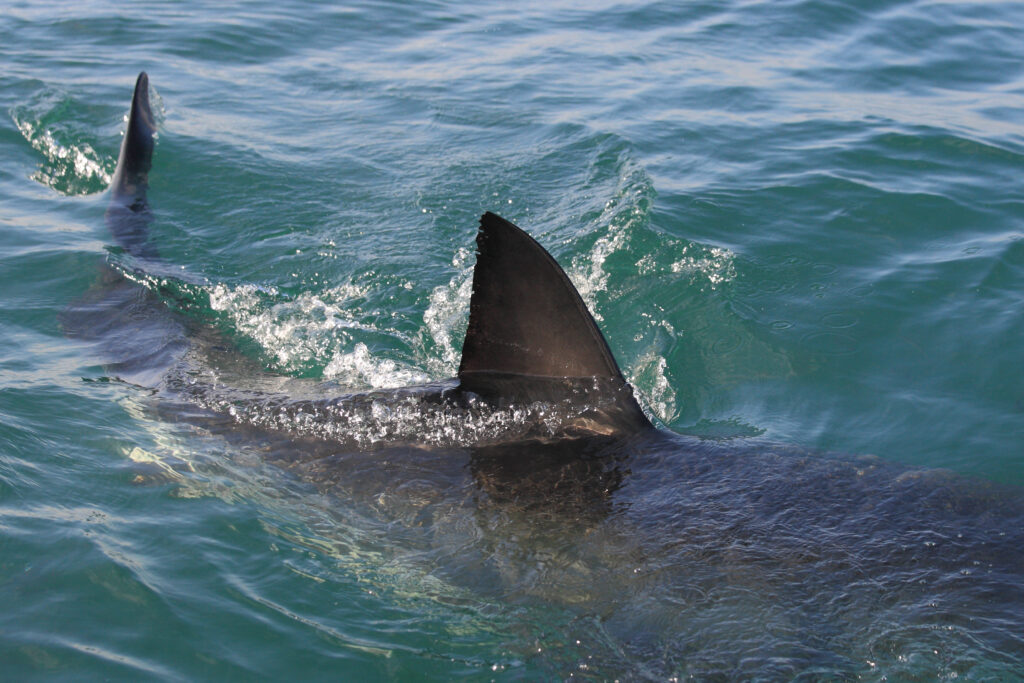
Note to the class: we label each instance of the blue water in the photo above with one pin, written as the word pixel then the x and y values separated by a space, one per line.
pixel 797 223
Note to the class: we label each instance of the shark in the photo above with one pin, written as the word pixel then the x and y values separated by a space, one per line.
pixel 534 477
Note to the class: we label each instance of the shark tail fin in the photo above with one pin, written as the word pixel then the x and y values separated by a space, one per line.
pixel 136 156
pixel 527 321
pixel 128 214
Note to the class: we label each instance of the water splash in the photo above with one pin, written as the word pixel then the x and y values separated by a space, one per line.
pixel 707 267
pixel 359 368
pixel 712 265
pixel 292 332
pixel 70 166
pixel 448 314
pixel 624 214
pixel 50 122
pixel 649 374
pixel 588 274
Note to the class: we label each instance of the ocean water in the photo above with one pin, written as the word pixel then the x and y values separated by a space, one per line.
pixel 800 226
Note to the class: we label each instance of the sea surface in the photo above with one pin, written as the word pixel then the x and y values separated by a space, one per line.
pixel 797 223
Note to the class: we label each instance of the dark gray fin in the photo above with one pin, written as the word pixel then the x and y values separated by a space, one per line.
pixel 527 323
pixel 525 316
pixel 128 215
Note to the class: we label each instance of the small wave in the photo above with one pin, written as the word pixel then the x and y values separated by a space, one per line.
pixel 650 375
pixel 359 368
pixel 70 166
pixel 624 214
pixel 293 333
pixel 712 264
pixel 589 274
pixel 448 313
pixel 707 266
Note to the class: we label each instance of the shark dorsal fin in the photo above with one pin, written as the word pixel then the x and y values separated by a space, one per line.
pixel 136 156
pixel 525 316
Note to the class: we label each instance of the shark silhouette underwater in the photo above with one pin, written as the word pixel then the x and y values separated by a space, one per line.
pixel 535 476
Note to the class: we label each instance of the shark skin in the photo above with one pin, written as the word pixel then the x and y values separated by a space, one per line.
pixel 731 560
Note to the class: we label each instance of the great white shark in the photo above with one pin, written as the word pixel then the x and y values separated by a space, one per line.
pixel 534 475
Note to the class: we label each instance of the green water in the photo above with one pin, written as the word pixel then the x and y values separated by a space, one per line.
pixel 800 222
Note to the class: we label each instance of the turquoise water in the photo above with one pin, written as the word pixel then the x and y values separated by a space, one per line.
pixel 797 223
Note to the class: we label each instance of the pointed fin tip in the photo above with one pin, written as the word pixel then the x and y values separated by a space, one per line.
pixel 141 120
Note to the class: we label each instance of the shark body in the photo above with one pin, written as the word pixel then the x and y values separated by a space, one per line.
pixel 543 481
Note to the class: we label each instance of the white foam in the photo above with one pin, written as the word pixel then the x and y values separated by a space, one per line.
pixel 715 265
pixel 360 369
pixel 447 315
pixel 314 329
pixel 588 275
pixel 78 161
pixel 292 332
pixel 649 374
pixel 622 214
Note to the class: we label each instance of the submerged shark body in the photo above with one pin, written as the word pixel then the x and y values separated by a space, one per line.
pixel 533 477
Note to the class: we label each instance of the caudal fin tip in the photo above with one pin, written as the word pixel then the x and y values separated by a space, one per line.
pixel 133 163
pixel 141 94
pixel 141 120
